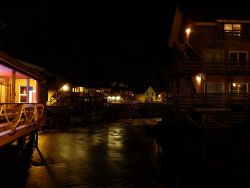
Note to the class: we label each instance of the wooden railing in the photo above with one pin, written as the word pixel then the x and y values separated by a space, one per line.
pixel 224 100
pixel 196 66
pixel 17 120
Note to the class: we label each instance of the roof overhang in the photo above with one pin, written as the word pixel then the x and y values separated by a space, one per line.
pixel 11 62
pixel 204 24
pixel 233 21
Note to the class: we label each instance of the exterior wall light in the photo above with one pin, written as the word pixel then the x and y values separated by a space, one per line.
pixel 188 31
pixel 65 87
pixel 198 79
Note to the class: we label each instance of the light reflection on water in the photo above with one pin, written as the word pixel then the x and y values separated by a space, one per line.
pixel 105 155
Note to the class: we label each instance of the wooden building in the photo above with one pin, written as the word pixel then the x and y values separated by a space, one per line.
pixel 210 66
pixel 22 99
pixel 19 83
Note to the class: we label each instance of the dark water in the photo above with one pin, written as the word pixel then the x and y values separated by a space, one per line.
pixel 105 155
pixel 129 154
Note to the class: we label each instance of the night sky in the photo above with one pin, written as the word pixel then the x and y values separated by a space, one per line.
pixel 91 43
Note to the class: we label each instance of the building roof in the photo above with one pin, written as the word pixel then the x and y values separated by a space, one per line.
pixel 20 66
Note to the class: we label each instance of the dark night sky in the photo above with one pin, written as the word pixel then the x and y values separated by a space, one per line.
pixel 90 42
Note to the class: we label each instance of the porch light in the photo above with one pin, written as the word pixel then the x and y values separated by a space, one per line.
pixel 234 84
pixel 65 87
pixel 188 30
pixel 198 79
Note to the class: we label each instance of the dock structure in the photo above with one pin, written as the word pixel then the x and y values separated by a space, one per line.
pixel 18 121
pixel 22 99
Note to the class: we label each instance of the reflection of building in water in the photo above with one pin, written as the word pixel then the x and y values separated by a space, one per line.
pixel 115 137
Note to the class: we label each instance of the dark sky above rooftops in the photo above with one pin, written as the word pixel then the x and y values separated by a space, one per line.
pixel 98 42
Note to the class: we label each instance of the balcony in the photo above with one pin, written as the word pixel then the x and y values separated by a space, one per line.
pixel 198 66
pixel 214 100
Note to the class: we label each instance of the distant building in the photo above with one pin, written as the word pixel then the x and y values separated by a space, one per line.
pixel 149 95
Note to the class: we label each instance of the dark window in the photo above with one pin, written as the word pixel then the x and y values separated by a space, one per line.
pixel 242 58
pixel 213 56
pixel 238 58
pixel 233 58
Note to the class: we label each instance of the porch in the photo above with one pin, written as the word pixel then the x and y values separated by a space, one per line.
pixel 18 120
pixel 208 101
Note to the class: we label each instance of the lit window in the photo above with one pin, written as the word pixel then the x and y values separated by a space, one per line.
pixel 239 88
pixel 232 30
pixel 23 94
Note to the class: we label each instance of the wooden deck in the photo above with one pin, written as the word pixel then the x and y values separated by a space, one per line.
pixel 17 120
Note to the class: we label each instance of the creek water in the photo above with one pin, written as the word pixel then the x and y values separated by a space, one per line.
pixel 128 154
pixel 116 154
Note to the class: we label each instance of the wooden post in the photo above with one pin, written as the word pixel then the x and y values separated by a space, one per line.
pixel 28 90
pixel 13 86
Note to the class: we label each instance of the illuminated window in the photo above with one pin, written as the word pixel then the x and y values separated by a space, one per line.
pixel 239 88
pixel 238 58
pixel 23 94
pixel 232 30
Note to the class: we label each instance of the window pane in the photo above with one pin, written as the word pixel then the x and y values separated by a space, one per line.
pixel 228 27
pixel 213 55
pixel 215 87
pixel 239 88
pixel 208 56
pixel 236 27
pixel 23 90
pixel 23 98
pixel 242 58
pixel 232 31
pixel 218 56
pixel 233 58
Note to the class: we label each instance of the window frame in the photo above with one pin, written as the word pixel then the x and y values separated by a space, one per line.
pixel 232 33
pixel 237 85
pixel 213 55
pixel 31 88
pixel 238 62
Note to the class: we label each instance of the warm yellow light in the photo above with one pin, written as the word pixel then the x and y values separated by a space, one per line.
pixel 234 84
pixel 65 87
pixel 198 78
pixel 159 95
pixel 118 98
pixel 188 30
